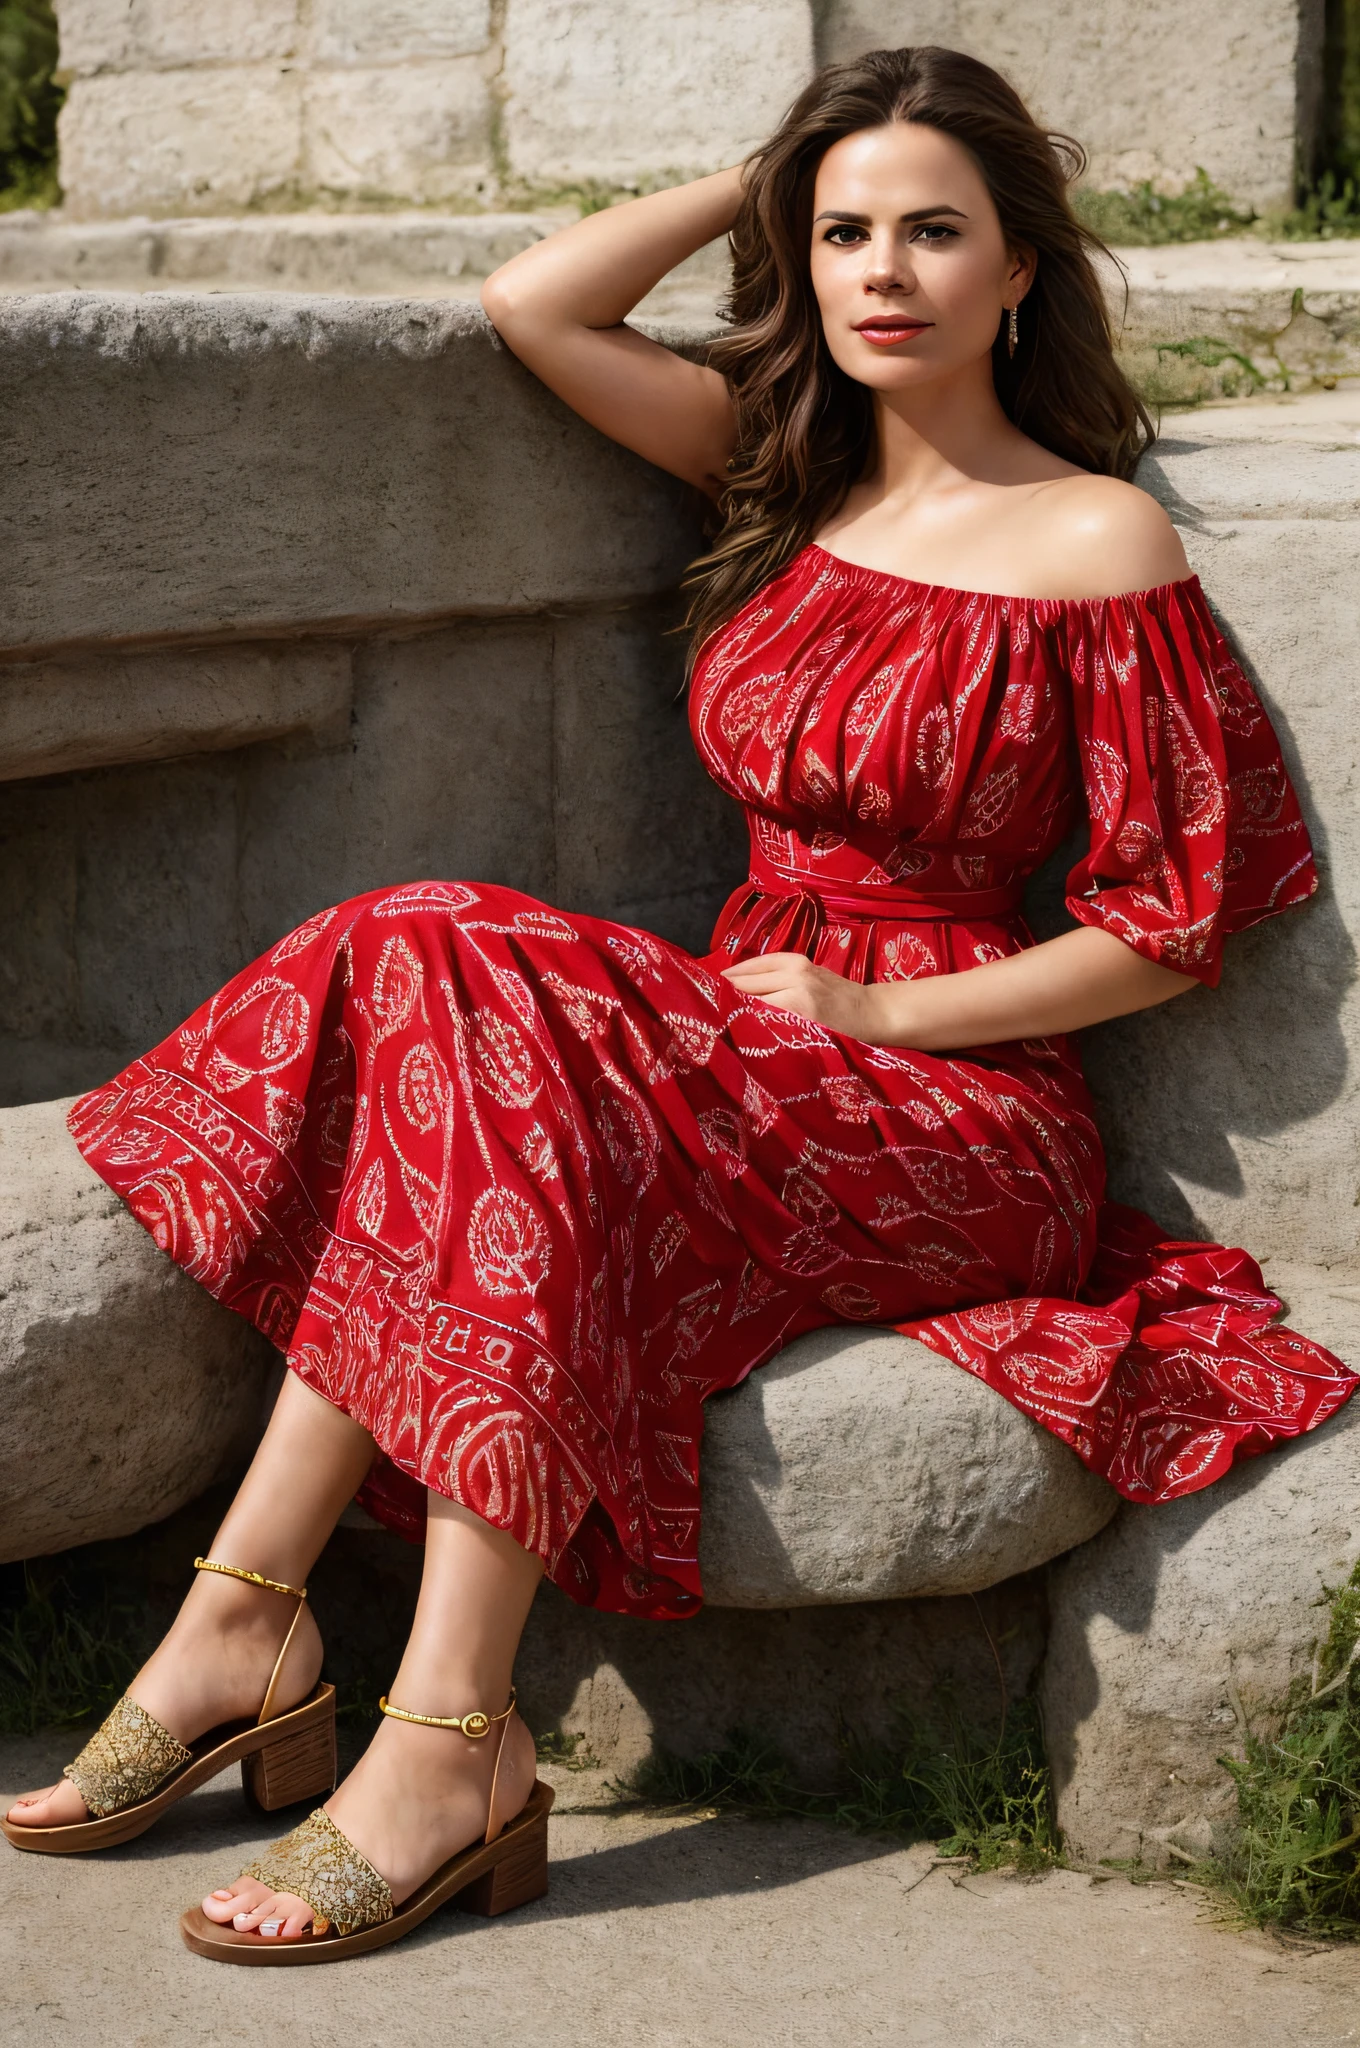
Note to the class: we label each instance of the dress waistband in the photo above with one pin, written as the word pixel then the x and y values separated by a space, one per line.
pixel 839 902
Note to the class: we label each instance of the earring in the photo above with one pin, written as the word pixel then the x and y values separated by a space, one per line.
pixel 1012 332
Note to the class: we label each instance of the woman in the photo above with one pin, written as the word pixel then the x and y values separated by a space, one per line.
pixel 517 1190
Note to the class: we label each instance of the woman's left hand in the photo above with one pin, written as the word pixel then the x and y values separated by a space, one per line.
pixel 792 982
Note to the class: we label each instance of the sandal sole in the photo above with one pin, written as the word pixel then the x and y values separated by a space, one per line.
pixel 214 1752
pixel 490 1878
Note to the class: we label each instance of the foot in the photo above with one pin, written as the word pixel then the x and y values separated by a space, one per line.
pixel 416 1797
pixel 213 1667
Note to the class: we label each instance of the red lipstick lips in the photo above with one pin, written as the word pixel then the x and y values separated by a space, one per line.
pixel 885 331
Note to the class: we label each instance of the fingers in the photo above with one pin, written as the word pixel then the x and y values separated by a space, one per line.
pixel 763 965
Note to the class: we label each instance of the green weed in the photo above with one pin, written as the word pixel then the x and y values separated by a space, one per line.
pixel 30 100
pixel 1295 1860
pixel 981 1793
pixel 1144 217
pixel 568 1752
pixel 1326 213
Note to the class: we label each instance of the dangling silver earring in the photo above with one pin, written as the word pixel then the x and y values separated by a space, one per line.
pixel 1012 332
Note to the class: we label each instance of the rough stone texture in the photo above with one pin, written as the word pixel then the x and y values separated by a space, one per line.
pixel 131 35
pixel 595 90
pixel 124 1389
pixel 1180 1620
pixel 202 141
pixel 357 32
pixel 1243 295
pixel 962 1492
pixel 801 1675
pixel 418 133
pixel 1239 293
pixel 592 90
pixel 155 705
pixel 1152 95
pixel 479 749
pixel 409 255
pixel 256 101
pixel 328 463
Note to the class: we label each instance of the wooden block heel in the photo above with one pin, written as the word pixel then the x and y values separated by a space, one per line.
pixel 519 1876
pixel 297 1767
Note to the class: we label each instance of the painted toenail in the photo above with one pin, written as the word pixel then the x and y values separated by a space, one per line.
pixel 241 1919
pixel 270 1926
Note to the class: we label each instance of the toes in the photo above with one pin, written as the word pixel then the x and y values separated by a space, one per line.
pixel 58 1805
pixel 239 1898
pixel 278 1916
pixel 250 1908
pixel 23 1808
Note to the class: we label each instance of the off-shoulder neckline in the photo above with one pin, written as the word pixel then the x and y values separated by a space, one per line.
pixel 1153 590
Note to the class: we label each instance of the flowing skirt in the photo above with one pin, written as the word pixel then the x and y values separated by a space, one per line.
pixel 518 1190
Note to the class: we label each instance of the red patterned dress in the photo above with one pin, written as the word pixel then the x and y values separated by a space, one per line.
pixel 519 1189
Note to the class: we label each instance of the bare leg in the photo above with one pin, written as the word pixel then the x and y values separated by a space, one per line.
pixel 418 1795
pixel 215 1662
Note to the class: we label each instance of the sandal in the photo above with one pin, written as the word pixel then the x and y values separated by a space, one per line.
pixel 132 1769
pixel 351 1902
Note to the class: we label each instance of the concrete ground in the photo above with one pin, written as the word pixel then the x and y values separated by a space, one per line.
pixel 659 1932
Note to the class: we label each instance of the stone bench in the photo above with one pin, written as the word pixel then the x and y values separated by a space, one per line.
pixel 307 597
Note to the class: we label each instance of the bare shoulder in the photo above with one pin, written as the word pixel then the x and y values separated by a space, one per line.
pixel 1110 536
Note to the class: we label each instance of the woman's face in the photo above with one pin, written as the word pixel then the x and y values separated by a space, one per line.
pixel 909 264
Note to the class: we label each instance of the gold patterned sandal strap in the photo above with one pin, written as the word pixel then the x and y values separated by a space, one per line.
pixel 126 1760
pixel 319 1865
pixel 474 1725
pixel 235 1571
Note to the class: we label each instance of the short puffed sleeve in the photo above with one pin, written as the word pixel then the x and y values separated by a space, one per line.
pixel 1196 831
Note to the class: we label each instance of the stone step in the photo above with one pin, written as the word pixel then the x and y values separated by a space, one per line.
pixel 405 255
pixel 1203 319
pixel 1224 319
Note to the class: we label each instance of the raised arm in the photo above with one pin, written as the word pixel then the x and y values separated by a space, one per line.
pixel 561 306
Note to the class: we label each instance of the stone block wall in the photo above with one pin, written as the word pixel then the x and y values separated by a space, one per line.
pixel 1153 91
pixel 335 560
pixel 175 108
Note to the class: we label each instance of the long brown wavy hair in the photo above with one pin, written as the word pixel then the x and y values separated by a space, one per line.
pixel 805 431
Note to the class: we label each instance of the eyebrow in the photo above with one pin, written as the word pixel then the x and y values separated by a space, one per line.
pixel 863 220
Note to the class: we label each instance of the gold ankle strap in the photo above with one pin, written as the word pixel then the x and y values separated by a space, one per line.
pixel 234 1571
pixel 474 1725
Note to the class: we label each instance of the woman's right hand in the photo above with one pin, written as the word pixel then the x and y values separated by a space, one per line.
pixel 561 305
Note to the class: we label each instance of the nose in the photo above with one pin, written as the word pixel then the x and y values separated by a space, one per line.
pixel 887 267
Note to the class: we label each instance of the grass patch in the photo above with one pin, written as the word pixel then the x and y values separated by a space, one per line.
pixel 980 1793
pixel 1327 213
pixel 1295 1861
pixel 1146 218
pixel 66 1652
pixel 1201 211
